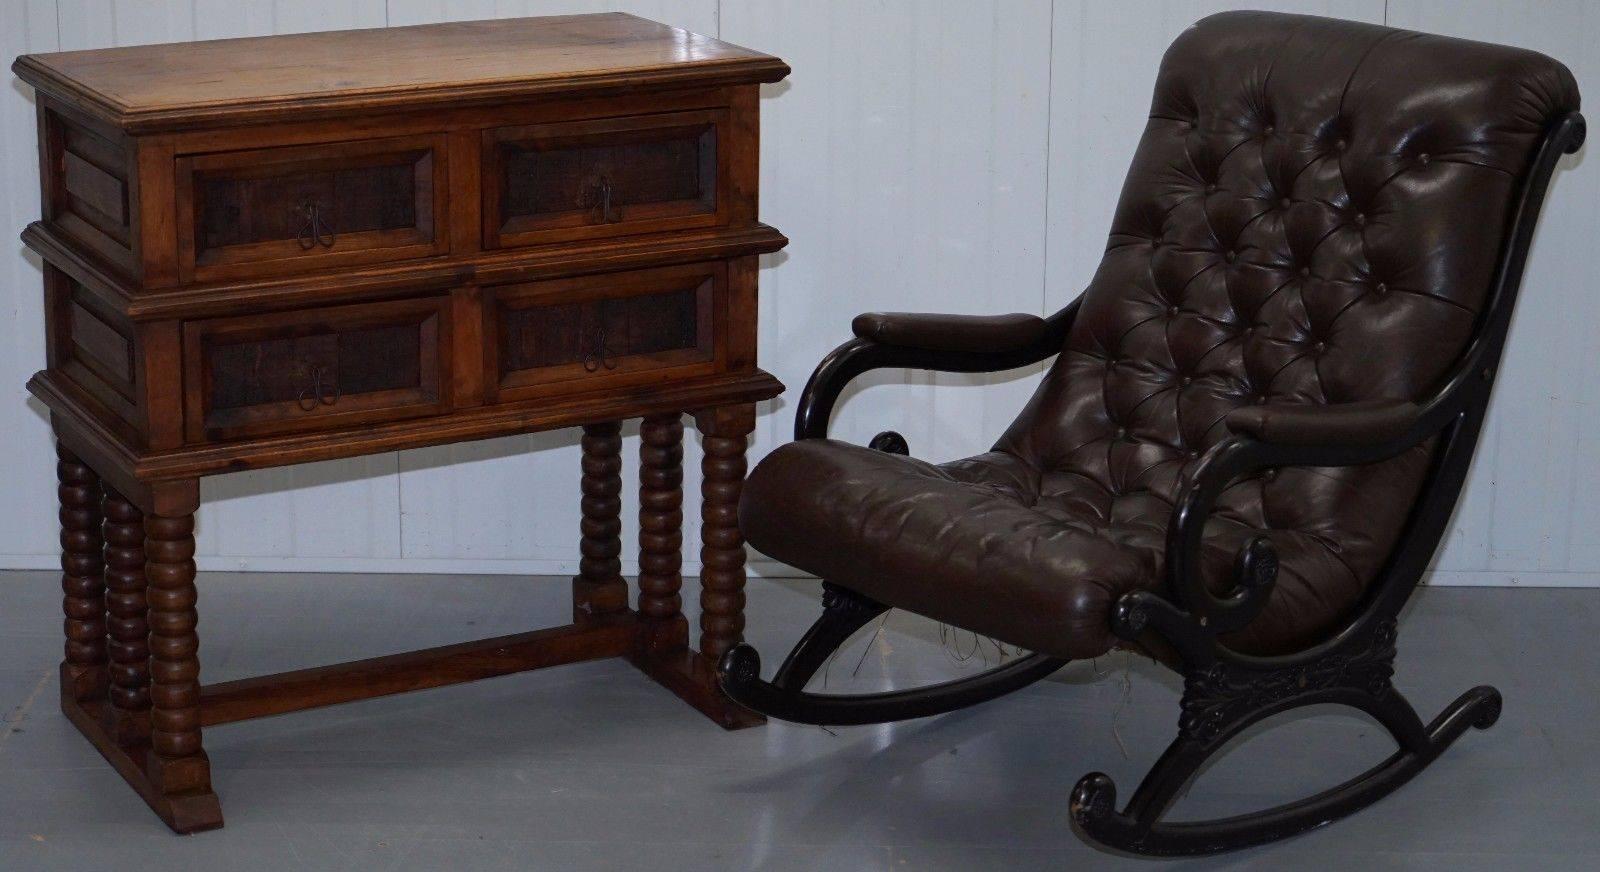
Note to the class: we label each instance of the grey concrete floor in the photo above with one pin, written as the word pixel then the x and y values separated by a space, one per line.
pixel 594 767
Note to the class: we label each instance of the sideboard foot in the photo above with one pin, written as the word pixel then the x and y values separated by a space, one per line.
pixel 186 810
pixel 693 678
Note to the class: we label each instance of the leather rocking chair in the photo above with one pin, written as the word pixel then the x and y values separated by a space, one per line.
pixel 1258 420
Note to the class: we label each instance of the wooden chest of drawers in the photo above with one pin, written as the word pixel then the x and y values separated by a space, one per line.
pixel 272 251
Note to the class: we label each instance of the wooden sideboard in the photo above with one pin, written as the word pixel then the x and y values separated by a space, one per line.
pixel 272 251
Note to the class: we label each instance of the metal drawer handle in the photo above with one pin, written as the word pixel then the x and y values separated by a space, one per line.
pixel 314 231
pixel 323 391
pixel 599 356
pixel 606 214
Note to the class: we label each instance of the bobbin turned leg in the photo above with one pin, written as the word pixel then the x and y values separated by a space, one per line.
pixel 142 711
pixel 666 630
pixel 177 765
pixel 129 715
pixel 665 654
pixel 84 676
pixel 599 589
pixel 722 558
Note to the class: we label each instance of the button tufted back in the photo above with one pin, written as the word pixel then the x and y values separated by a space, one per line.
pixel 1313 215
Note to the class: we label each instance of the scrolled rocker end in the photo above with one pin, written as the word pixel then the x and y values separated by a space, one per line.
pixel 1094 799
pixel 739 668
pixel 1258 564
pixel 1130 615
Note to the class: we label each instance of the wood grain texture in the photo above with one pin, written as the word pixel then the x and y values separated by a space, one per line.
pixel 83 585
pixel 145 88
pixel 661 532
pixel 177 763
pixel 726 430
pixel 127 625
pixel 254 353
pixel 600 588
pixel 611 636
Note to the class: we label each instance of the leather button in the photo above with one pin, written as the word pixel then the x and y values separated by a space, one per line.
pixel 1361 219
pixel 1320 346
pixel 1269 130
pixel 1423 158
pixel 1156 242
pixel 1382 288
pixel 1211 188
pixel 1173 311
pixel 1122 432
pixel 1305 271
pixel 1269 475
pixel 1261 399
pixel 1185 381
pixel 1231 256
pixel 1285 203
pixel 1340 145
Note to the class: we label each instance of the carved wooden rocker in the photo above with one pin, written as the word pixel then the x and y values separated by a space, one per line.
pixel 1259 417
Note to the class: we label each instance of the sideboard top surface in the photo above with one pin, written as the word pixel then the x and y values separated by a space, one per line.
pixel 218 82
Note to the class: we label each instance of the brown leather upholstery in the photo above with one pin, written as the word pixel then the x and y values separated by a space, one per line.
pixel 1365 422
pixel 1311 219
pixel 950 332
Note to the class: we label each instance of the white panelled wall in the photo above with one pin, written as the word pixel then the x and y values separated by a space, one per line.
pixel 955 156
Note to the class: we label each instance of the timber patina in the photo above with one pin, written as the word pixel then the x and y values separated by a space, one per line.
pixel 271 251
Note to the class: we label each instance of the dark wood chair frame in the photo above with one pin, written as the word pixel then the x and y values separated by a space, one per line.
pixel 1224 691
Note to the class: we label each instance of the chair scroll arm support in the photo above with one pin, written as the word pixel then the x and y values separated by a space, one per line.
pixel 1268 437
pixel 938 343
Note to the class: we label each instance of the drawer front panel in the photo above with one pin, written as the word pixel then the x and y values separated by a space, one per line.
pixel 285 210
pixel 602 331
pixel 314 369
pixel 612 177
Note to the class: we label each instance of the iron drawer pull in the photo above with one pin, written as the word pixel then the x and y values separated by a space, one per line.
pixel 597 359
pixel 323 391
pixel 605 202
pixel 314 231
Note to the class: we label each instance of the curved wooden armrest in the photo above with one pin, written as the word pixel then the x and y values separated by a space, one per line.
pixel 931 332
pixel 1018 340
pixel 1362 423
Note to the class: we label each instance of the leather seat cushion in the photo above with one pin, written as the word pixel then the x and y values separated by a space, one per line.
pixel 991 545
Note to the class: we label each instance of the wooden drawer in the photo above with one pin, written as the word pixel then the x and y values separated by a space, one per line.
pixel 609 177
pixel 591 332
pixel 285 210
pixel 317 368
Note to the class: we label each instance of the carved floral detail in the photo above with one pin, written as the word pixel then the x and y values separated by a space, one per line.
pixel 1222 694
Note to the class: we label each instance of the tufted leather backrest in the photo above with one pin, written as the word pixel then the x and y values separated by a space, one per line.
pixel 1313 215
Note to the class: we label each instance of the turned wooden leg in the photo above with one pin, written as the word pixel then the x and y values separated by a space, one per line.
pixel 83 671
pixel 661 533
pixel 128 629
pixel 177 763
pixel 726 430
pixel 600 588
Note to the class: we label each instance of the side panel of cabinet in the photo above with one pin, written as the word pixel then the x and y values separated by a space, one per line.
pixel 92 345
pixel 86 185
